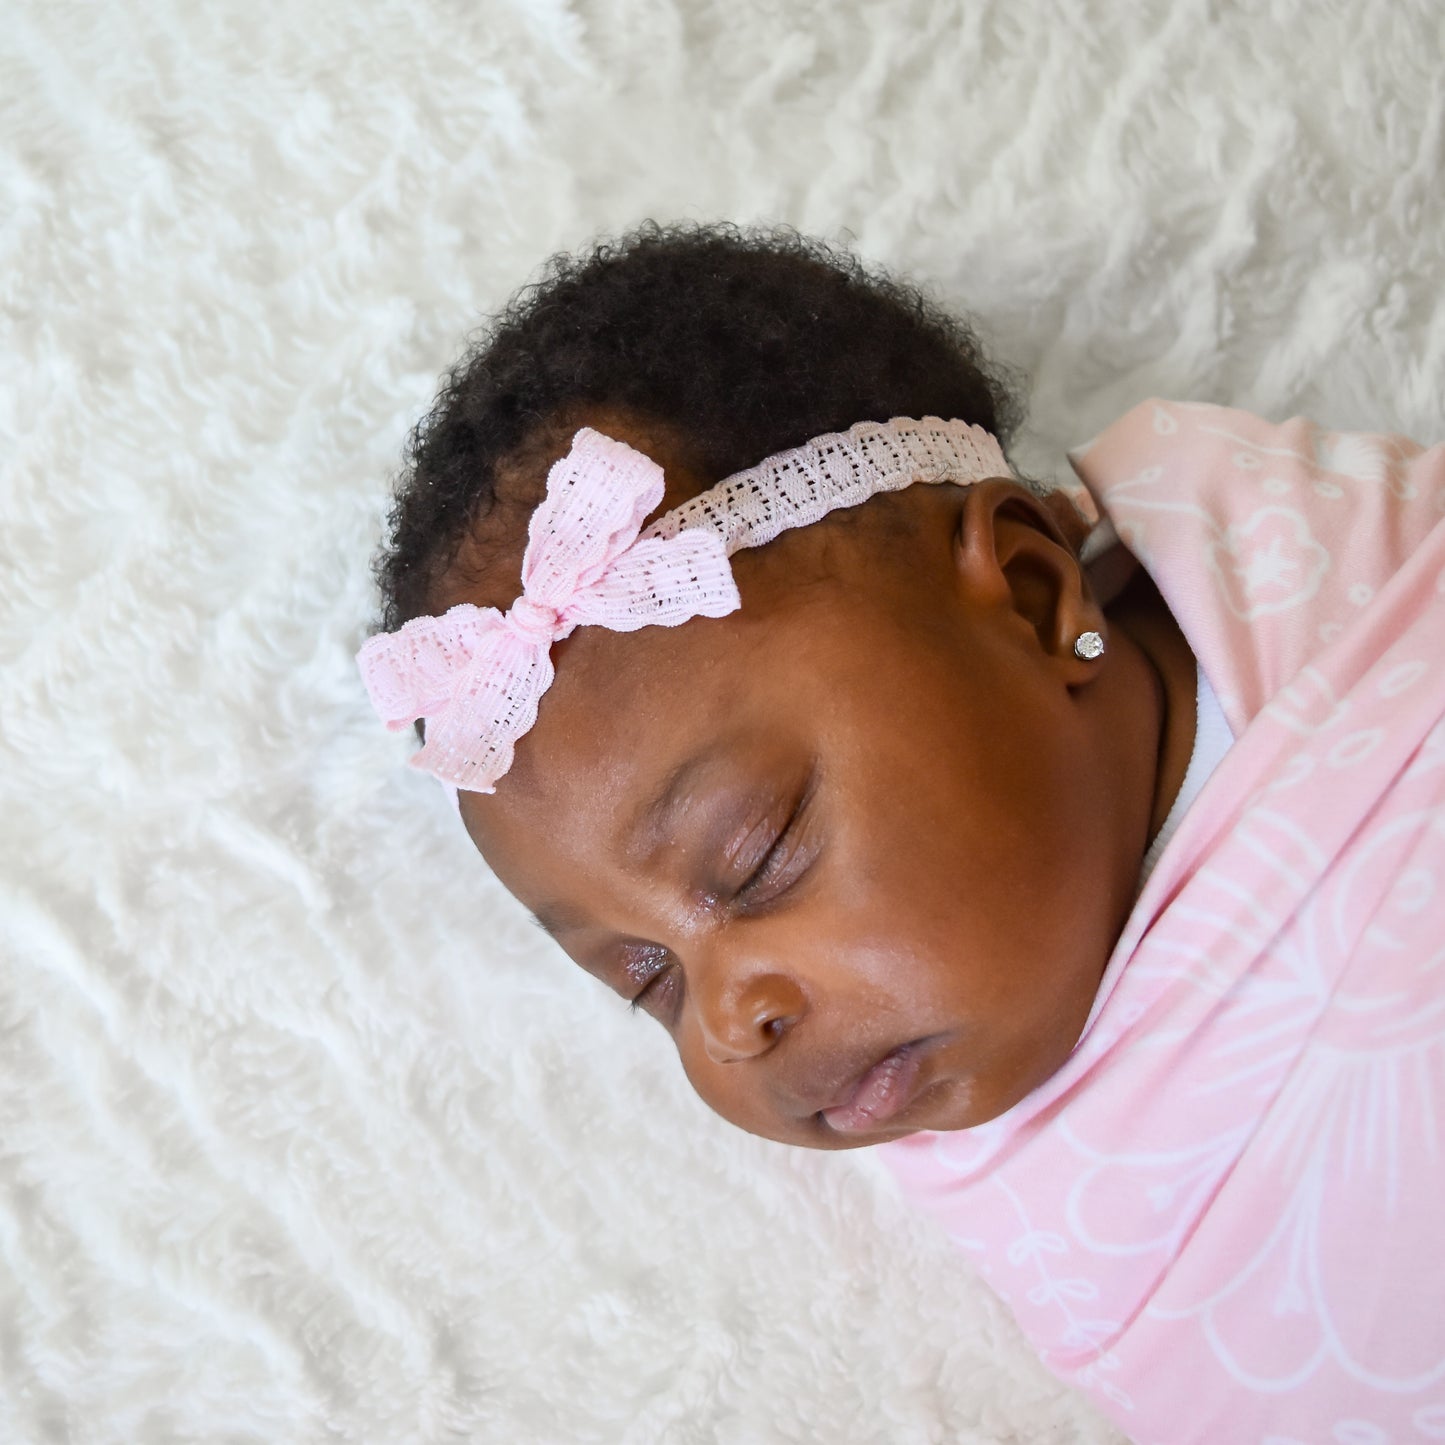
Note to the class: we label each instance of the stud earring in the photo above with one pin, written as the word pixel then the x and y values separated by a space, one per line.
pixel 1089 645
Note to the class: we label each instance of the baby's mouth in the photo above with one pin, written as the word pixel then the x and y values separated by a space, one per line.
pixel 881 1093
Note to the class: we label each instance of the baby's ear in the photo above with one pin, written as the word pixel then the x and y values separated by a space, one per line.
pixel 1072 524
pixel 1018 553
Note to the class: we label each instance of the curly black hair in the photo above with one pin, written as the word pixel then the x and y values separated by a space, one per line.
pixel 743 342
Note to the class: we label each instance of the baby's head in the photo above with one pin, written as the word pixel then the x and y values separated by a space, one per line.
pixel 863 844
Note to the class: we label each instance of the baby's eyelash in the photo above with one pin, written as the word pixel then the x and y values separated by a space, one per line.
pixel 767 866
pixel 664 984
pixel 644 966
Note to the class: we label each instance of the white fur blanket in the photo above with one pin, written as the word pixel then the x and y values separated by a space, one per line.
pixel 305 1134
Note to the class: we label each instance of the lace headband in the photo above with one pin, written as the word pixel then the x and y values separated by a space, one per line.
pixel 476 674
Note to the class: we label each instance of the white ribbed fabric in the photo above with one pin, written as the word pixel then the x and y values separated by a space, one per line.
pixel 1212 739
pixel 839 469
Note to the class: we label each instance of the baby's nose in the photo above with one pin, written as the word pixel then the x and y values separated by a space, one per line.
pixel 743 1018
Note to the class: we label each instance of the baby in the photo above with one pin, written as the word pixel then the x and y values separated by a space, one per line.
pixel 1109 899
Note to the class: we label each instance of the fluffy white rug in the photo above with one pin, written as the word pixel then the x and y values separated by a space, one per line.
pixel 305 1135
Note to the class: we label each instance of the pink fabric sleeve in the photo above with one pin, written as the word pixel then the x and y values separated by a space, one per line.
pixel 1281 514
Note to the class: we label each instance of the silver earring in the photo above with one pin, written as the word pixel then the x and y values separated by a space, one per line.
pixel 1089 645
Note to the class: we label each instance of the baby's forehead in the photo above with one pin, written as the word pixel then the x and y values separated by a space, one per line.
pixel 625 706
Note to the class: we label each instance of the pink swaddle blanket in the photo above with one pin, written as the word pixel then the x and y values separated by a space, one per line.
pixel 1225 1216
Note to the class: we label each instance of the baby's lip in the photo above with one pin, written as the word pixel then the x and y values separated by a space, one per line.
pixel 873 1088
pixel 884 1091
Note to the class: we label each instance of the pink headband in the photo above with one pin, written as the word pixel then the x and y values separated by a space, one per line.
pixel 476 675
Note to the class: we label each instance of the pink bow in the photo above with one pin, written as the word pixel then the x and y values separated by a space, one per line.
pixel 477 676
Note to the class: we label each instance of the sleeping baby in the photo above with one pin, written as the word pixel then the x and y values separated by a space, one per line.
pixel 1080 847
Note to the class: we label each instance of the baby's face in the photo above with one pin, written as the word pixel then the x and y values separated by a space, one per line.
pixel 850 846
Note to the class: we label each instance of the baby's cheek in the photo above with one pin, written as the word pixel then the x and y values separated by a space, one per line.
pixel 727 1096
